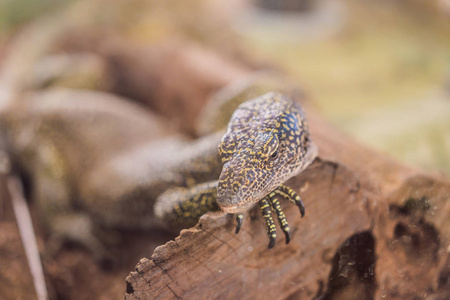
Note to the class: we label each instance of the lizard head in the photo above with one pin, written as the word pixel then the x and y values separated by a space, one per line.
pixel 266 143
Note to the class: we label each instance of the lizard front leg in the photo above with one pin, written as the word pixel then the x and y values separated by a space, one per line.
pixel 181 208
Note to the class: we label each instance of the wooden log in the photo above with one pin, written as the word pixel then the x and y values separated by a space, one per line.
pixel 342 249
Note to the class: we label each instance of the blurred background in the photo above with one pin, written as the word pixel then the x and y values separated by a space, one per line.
pixel 379 70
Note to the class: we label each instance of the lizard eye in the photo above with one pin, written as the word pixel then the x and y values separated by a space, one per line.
pixel 274 154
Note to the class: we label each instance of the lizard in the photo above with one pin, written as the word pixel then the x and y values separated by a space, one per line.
pixel 86 188
pixel 267 141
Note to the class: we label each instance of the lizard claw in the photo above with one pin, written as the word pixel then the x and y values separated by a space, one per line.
pixel 288 237
pixel 239 218
pixel 272 241
pixel 300 205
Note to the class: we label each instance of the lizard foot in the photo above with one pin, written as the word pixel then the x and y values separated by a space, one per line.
pixel 270 202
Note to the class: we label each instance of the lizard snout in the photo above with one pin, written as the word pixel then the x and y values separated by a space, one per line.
pixel 233 193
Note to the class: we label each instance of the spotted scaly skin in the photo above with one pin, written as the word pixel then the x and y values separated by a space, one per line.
pixel 184 206
pixel 267 142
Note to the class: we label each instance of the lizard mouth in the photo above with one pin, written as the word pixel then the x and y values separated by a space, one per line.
pixel 234 209
pixel 231 206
